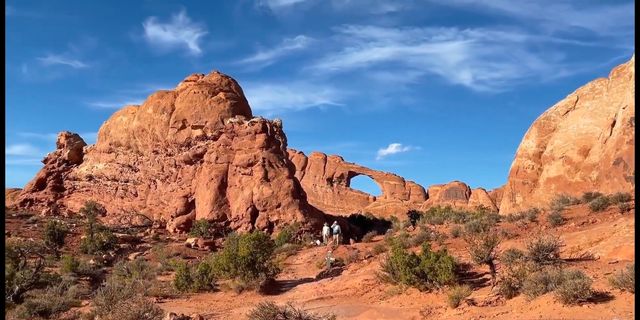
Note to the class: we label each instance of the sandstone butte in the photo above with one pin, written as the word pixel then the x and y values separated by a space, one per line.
pixel 198 152
pixel 583 143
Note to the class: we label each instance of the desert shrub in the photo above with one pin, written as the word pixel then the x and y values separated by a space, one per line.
pixel 203 277
pixel 202 229
pixel 118 300
pixel 162 255
pixel 515 272
pixel 512 257
pixel 457 294
pixel 555 219
pixel 425 271
pixel 506 234
pixel 351 257
pixel 588 196
pixel 509 287
pixel 397 225
pixel 620 197
pixel 513 217
pixel 456 231
pixel 71 265
pixel 541 282
pixel 24 264
pixel 49 302
pixel 368 237
pixel 182 280
pixel 54 234
pixel 269 310
pixel 575 287
pixel 532 214
pixel 137 270
pixel 287 234
pixel 477 226
pixel 624 207
pixel 482 248
pixel 249 257
pixel 599 204
pixel 378 249
pixel 544 250
pixel 561 201
pixel 401 239
pixel 97 238
pixel 420 237
pixel 624 280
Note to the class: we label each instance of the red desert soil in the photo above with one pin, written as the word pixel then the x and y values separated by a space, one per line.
pixel 357 294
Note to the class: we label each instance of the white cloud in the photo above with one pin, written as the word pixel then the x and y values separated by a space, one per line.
pixel 280 4
pixel 22 149
pixel 179 32
pixel 393 148
pixel 271 98
pixel 267 57
pixel 59 59
pixel 115 104
pixel 481 59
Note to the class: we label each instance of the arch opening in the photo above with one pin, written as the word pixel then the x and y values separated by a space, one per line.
pixel 365 184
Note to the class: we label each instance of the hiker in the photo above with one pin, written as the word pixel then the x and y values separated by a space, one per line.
pixel 325 233
pixel 335 228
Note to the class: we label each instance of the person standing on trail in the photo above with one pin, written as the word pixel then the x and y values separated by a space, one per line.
pixel 326 232
pixel 335 228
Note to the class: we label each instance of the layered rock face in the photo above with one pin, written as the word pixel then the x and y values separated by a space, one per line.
pixel 458 195
pixel 583 143
pixel 190 153
pixel 326 180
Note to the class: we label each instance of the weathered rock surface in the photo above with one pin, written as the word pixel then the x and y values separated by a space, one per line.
pixel 190 153
pixel 326 181
pixel 11 195
pixel 459 195
pixel 583 143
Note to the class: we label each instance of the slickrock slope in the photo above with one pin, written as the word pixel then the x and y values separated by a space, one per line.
pixel 326 180
pixel 458 195
pixel 583 143
pixel 190 153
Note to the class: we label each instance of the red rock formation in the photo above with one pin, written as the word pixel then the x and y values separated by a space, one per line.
pixel 326 180
pixel 184 154
pixel 458 195
pixel 496 195
pixel 583 143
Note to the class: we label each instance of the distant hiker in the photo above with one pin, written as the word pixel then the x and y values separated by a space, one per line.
pixel 326 232
pixel 335 228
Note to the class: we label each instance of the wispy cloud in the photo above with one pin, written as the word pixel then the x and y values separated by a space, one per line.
pixel 59 59
pixel 180 31
pixel 490 59
pixel 22 149
pixel 115 104
pixel 274 98
pixel 267 57
pixel 133 95
pixel 393 148
pixel 281 4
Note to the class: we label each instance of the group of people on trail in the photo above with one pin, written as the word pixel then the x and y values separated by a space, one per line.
pixel 334 231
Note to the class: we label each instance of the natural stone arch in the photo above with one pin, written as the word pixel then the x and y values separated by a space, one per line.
pixel 364 177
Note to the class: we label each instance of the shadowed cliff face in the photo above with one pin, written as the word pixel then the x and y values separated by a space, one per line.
pixel 583 143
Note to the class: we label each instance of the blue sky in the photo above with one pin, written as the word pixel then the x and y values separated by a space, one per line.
pixel 431 90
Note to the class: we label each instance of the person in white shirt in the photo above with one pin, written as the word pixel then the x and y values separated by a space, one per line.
pixel 325 233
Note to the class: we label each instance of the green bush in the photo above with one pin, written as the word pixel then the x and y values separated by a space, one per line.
pixel 541 282
pixel 555 219
pixel 401 239
pixel 269 310
pixel 620 197
pixel 482 248
pixel 456 231
pixel 97 238
pixel 24 264
pixel 249 257
pixel 477 226
pixel 368 237
pixel 588 196
pixel 425 271
pixel 201 229
pixel 71 265
pixel 419 238
pixel 54 234
pixel 203 277
pixel 182 280
pixel 599 204
pixel 457 294
pixel 544 250
pixel 561 201
pixel 574 288
pixel 515 272
pixel 137 270
pixel 50 302
pixel 512 257
pixel 624 280
pixel 118 300
pixel 287 235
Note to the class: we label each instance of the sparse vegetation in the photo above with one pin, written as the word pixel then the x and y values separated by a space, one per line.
pixel 201 229
pixel 561 201
pixel 425 271
pixel 49 302
pixel 54 234
pixel 287 235
pixel 482 248
pixel 378 249
pixel 97 238
pixel 624 280
pixel 600 203
pixel 555 219
pixel 620 197
pixel 541 282
pixel 269 310
pixel 419 238
pixel 456 231
pixel 24 263
pixel 575 287
pixel 588 196
pixel 515 272
pixel 544 250
pixel 457 294
pixel 182 279
pixel 624 207
pixel 118 300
